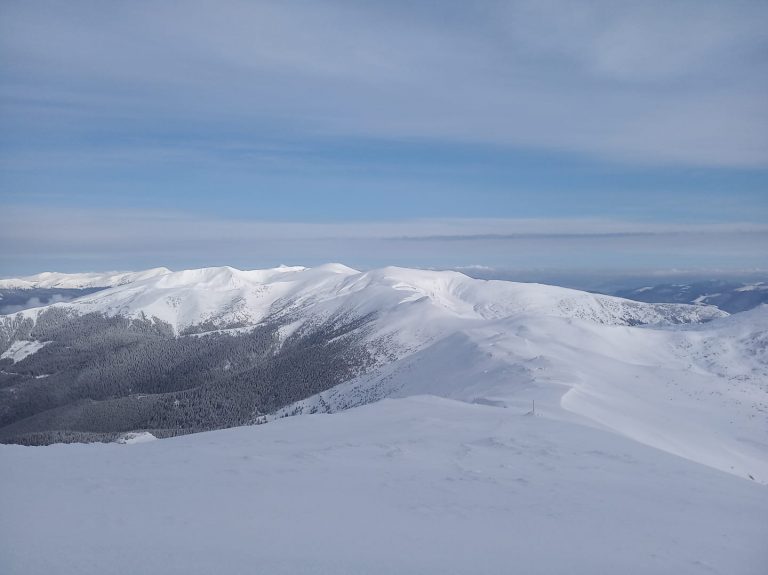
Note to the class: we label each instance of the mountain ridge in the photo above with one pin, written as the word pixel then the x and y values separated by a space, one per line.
pixel 226 294
pixel 200 349
pixel 50 280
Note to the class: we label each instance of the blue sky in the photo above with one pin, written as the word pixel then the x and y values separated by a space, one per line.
pixel 547 134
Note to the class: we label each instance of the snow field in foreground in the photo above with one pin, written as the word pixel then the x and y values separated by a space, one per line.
pixel 416 485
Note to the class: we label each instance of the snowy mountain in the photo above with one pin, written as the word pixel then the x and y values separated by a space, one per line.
pixel 476 427
pixel 225 297
pixel 200 349
pixel 53 280
pixel 46 288
pixel 729 296
pixel 416 486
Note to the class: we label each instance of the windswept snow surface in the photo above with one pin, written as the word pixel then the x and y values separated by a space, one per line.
pixel 418 485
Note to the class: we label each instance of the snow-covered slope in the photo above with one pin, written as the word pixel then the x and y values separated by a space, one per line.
pixel 51 280
pixel 474 481
pixel 20 349
pixel 652 372
pixel 412 486
pixel 225 296
pixel 699 391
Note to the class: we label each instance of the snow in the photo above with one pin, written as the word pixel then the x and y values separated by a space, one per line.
pixel 183 299
pixel 51 280
pixel 699 391
pixel 228 297
pixel 647 452
pixel 754 287
pixel 416 485
pixel 135 437
pixel 20 349
pixel 696 390
pixel 702 299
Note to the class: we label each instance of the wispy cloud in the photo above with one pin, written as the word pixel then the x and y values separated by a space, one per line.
pixel 637 128
pixel 649 82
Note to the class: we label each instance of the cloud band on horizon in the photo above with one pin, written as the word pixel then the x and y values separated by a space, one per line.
pixel 83 238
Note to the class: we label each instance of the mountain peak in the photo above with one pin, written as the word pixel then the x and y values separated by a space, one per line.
pixel 225 295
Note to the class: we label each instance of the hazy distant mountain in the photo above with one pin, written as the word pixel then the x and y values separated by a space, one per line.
pixel 729 296
pixel 17 294
pixel 56 280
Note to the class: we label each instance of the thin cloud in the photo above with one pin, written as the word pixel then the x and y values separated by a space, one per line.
pixel 134 239
pixel 103 225
pixel 645 83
